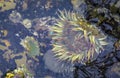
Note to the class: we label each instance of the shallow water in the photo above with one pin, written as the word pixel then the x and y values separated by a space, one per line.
pixel 26 41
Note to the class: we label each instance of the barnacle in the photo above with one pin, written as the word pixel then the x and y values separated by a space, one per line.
pixel 74 39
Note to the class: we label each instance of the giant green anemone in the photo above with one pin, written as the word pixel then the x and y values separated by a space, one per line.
pixel 75 39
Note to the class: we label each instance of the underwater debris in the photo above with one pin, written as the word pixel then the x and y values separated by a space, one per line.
pixel 20 72
pixel 25 5
pixel 37 23
pixel 20 61
pixel 15 17
pixel 76 40
pixel 6 42
pixel 31 45
pixel 117 45
pixel 43 23
pixel 4 33
pixel 7 5
pixel 48 5
pixel 80 6
pixel 27 23
pixel 5 45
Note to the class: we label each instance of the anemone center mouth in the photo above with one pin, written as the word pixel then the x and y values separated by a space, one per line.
pixel 74 41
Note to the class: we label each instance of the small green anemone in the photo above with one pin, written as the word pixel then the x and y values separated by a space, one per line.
pixel 31 45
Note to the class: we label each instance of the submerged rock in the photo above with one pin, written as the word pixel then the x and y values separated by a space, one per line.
pixel 53 64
